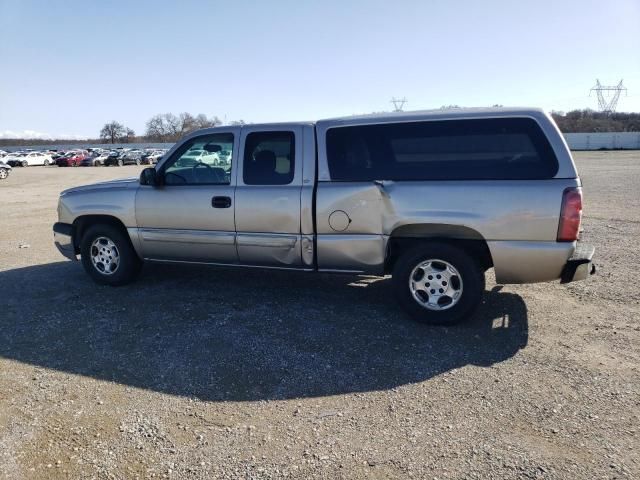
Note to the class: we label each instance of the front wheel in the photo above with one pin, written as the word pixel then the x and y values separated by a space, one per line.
pixel 108 257
pixel 46 163
pixel 24 163
pixel 120 162
pixel 438 284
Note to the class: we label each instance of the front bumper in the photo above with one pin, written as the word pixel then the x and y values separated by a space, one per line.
pixel 580 264
pixel 63 239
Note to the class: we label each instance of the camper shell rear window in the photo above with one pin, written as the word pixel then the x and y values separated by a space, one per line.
pixel 470 149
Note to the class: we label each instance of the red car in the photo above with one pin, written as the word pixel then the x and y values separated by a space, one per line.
pixel 72 159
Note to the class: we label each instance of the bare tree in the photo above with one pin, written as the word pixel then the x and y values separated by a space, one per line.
pixel 156 129
pixel 172 125
pixel 129 135
pixel 112 131
pixel 187 123
pixel 168 127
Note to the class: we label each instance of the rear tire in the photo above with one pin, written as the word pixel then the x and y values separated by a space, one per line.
pixel 108 256
pixel 120 162
pixel 46 163
pixel 448 299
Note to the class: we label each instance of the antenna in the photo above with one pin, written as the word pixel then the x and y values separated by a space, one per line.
pixel 608 96
pixel 398 103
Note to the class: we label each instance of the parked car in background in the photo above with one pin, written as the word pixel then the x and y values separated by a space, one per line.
pixel 196 156
pixel 96 160
pixel 56 154
pixel 30 158
pixel 151 157
pixel 224 157
pixel 113 158
pixel 90 159
pixel 126 157
pixel 5 170
pixel 133 157
pixel 14 158
pixel 72 159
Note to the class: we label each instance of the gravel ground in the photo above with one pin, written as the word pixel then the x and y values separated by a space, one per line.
pixel 221 373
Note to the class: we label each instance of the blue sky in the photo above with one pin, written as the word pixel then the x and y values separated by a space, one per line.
pixel 67 67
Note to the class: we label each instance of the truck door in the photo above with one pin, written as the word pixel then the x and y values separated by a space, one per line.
pixel 191 216
pixel 268 197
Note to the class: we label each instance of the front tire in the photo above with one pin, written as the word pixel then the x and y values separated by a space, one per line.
pixel 438 284
pixel 108 256
pixel 120 162
pixel 46 163
pixel 24 163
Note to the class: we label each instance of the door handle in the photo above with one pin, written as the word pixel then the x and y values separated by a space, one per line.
pixel 221 202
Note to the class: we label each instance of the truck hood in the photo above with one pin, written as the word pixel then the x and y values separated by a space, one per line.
pixel 111 184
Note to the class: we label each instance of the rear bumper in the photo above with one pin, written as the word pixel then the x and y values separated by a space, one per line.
pixel 63 240
pixel 580 264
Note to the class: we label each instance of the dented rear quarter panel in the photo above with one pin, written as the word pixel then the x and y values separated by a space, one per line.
pixel 517 218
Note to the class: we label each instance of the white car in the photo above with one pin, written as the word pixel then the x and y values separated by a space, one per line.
pixel 28 159
pixel 14 158
pixel 100 159
pixel 154 156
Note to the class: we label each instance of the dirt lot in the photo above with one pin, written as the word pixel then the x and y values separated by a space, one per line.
pixel 209 373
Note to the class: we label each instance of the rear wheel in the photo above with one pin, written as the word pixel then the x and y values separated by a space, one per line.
pixel 46 163
pixel 3 173
pixel 438 283
pixel 108 257
pixel 137 161
pixel 120 162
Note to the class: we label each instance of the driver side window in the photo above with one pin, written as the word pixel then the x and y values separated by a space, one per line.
pixel 203 160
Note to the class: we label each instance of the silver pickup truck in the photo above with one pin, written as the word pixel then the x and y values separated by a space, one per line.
pixel 433 198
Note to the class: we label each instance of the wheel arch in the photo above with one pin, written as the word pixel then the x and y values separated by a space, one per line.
pixel 83 222
pixel 411 236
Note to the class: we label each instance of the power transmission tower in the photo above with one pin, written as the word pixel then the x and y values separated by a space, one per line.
pixel 608 96
pixel 398 103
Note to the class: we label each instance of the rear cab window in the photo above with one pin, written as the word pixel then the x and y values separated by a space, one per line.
pixel 470 149
pixel 269 158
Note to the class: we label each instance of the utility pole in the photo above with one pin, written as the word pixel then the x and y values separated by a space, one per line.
pixel 608 96
pixel 398 103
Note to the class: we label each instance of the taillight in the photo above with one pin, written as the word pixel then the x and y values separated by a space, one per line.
pixel 570 215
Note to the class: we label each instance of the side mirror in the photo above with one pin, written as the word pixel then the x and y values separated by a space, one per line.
pixel 149 176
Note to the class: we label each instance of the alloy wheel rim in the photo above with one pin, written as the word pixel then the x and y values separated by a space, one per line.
pixel 436 284
pixel 105 255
